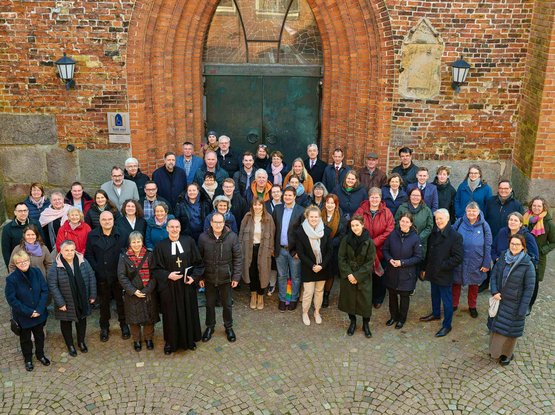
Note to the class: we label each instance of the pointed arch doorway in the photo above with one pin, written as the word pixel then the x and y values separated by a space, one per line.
pixel 262 70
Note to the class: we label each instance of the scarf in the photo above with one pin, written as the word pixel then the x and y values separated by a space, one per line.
pixel 315 237
pixel 33 249
pixel 276 172
pixel 536 220
pixel 510 261
pixel 300 189
pixel 349 189
pixel 77 286
pixel 414 210
pixel 137 261
pixel 473 184
pixel 356 242
pixel 211 147
pixel 333 223
pixel 160 223
pixel 74 226
pixel 37 203
pixel 50 215
pixel 210 190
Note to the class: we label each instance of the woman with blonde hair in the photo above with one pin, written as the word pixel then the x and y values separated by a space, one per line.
pixel 298 169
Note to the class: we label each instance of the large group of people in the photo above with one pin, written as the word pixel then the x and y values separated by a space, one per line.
pixel 205 224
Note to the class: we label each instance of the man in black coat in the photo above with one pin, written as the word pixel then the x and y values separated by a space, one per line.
pixel 445 252
pixel 227 159
pixel 239 206
pixel 407 169
pixel 104 245
pixel 221 251
pixel 314 165
pixel 170 179
pixel 336 171
pixel 12 233
pixel 133 173
pixel 288 217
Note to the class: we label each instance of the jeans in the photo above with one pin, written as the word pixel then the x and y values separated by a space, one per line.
pixel 288 267
pixel 442 294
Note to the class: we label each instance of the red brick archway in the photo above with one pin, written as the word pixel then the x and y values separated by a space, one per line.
pixel 164 64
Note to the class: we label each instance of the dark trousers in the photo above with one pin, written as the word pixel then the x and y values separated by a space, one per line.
pixel 107 291
pixel 80 327
pixel 353 318
pixel 399 304
pixel 535 294
pixel 223 292
pixel 378 289
pixel 443 295
pixel 27 344
pixel 254 275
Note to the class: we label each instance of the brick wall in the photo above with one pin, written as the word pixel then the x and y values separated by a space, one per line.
pixel 145 56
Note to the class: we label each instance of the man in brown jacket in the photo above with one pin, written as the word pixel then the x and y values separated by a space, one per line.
pixel 370 175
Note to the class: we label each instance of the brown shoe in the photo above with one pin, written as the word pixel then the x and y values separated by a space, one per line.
pixel 260 302
pixel 253 300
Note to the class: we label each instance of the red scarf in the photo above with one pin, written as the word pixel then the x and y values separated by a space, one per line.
pixel 144 272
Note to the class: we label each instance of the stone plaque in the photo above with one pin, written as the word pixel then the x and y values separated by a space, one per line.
pixel 420 71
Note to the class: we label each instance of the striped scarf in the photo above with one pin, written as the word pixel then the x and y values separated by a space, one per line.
pixel 144 271
pixel 536 221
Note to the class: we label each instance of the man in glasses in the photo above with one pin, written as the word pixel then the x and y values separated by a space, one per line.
pixel 119 189
pixel 12 233
pixel 227 159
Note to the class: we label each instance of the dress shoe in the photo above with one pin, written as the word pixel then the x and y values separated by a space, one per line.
pixel 504 360
pixel 44 360
pixel 29 366
pixel 193 347
pixel 292 305
pixel 167 350
pixel 83 347
pixel 390 322
pixel 282 307
pixel 317 318
pixel 326 300
pixel 104 335
pixel 306 319
pixel 125 333
pixel 377 305
pixel 444 331
pixel 71 350
pixel 207 335
pixel 137 346
pixel 149 344
pixel 230 335
pixel 352 328
pixel 399 325
pixel 429 317
pixel 473 312
pixel 366 329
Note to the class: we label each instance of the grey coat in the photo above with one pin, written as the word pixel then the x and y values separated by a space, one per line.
pixel 265 250
pixel 516 293
pixel 58 285
pixel 137 310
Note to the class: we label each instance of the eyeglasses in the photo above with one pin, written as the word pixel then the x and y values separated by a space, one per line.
pixel 150 190
pixel 516 243
pixel 218 223
pixel 23 262
pixel 117 176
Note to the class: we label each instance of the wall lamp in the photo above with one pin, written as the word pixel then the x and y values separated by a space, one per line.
pixel 460 70
pixel 66 67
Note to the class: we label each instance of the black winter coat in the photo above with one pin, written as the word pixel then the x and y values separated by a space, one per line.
pixel 139 179
pixel 516 294
pixel 58 285
pixel 137 310
pixel 445 253
pixel 125 228
pixel 222 257
pixel 409 250
pixel 92 218
pixel 231 162
pixel 102 252
pixel 27 292
pixel 12 233
pixel 169 185
pixel 308 259
pixel 446 197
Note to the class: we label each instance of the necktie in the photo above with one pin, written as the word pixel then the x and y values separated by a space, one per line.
pixel 337 174
pixel 311 164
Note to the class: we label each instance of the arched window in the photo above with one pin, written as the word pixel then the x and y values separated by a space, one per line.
pixel 263 32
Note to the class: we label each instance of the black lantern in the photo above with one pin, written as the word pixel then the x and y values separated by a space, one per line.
pixel 460 70
pixel 66 67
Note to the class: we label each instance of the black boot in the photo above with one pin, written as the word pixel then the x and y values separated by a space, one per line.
pixel 366 328
pixel 326 299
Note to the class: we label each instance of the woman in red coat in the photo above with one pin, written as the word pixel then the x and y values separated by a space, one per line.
pixel 379 223
pixel 74 229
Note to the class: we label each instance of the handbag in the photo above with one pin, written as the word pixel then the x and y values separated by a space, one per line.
pixel 493 306
pixel 15 327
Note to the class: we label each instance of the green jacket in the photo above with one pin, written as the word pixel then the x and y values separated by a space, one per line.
pixel 356 298
pixel 546 243
pixel 422 220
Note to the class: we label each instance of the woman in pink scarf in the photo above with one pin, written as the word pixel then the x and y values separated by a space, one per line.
pixel 52 218
pixel 277 170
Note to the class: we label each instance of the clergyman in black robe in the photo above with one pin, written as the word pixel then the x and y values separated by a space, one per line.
pixel 177 266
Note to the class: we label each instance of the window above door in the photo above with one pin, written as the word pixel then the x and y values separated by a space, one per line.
pixel 263 32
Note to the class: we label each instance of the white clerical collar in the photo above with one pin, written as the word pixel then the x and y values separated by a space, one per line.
pixel 176 246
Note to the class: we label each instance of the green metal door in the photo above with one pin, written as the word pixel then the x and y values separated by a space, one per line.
pixel 271 105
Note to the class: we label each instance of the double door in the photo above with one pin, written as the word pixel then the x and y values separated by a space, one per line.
pixel 276 106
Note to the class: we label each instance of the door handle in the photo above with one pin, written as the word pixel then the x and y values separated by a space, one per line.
pixel 271 139
pixel 253 136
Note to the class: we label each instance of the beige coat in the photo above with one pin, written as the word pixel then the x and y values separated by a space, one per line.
pixel 264 251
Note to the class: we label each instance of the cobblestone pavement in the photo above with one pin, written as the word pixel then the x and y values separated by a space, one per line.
pixel 280 366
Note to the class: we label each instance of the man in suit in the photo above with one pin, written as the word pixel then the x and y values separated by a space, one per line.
pixel 189 162
pixel 428 190
pixel 314 165
pixel 336 171
pixel 287 216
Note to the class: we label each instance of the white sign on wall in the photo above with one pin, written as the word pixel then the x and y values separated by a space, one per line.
pixel 118 123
